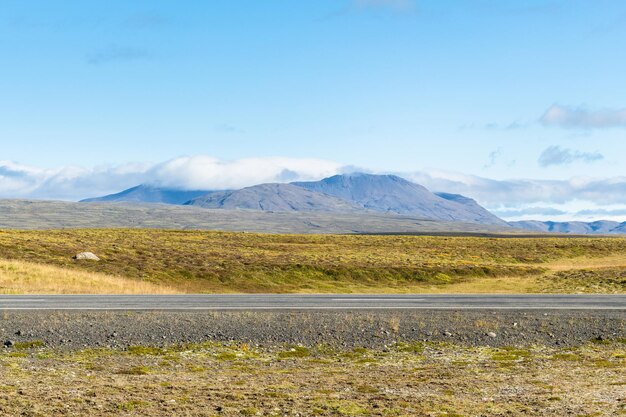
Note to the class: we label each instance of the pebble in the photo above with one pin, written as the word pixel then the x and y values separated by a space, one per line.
pixel 491 334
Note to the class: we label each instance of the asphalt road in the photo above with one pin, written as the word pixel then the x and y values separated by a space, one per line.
pixel 310 302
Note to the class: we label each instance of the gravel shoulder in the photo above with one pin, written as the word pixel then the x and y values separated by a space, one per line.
pixel 370 329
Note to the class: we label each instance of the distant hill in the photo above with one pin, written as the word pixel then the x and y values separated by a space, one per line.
pixel 149 194
pixel 392 194
pixel 577 228
pixel 273 197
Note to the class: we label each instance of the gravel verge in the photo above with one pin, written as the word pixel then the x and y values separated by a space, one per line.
pixel 371 329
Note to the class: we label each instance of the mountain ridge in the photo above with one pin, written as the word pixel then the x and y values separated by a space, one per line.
pixel 597 227
pixel 145 193
pixel 339 193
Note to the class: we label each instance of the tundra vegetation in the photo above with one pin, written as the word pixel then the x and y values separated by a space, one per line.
pixel 238 379
pixel 160 261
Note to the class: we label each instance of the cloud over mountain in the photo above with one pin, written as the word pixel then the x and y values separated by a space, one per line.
pixel 205 172
pixel 187 173
pixel 575 197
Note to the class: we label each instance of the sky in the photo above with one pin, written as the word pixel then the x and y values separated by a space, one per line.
pixel 518 104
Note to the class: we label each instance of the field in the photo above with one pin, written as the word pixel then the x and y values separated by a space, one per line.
pixel 215 379
pixel 157 261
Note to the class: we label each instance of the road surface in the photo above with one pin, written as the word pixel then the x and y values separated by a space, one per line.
pixel 310 302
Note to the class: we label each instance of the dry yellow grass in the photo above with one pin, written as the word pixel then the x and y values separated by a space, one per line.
pixel 585 262
pixel 157 261
pixel 17 277
pixel 501 285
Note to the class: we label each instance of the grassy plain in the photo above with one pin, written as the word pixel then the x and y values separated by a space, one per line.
pixel 200 261
pixel 437 380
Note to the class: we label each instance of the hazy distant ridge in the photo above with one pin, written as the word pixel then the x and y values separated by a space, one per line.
pixel 600 227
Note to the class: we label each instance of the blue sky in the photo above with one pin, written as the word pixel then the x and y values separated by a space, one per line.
pixel 96 95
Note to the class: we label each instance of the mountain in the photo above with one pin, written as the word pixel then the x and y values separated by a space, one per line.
pixel 392 194
pixel 576 228
pixel 149 194
pixel 273 197
pixel 387 194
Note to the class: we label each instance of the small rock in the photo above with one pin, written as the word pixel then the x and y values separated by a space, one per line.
pixel 18 333
pixel 448 334
pixel 9 343
pixel 491 334
pixel 86 256
pixel 514 324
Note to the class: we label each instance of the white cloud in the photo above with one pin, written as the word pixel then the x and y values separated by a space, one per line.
pixel 555 155
pixel 194 172
pixel 518 192
pixel 580 117
pixel 205 172
pixel 532 212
